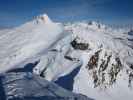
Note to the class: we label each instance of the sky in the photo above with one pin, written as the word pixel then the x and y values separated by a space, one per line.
pixel 17 12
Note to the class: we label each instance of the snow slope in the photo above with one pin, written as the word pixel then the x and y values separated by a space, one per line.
pixel 26 41
pixel 106 61
pixel 26 86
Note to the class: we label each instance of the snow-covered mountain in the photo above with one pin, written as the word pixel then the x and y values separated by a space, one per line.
pixel 84 57
pixel 27 41
pixel 107 72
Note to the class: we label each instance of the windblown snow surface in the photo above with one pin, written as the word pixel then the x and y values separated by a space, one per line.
pixel 84 57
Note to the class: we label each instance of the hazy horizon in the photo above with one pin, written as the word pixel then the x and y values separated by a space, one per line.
pixel 17 12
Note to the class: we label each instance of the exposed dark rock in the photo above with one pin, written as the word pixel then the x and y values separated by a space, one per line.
pixel 69 58
pixel 93 62
pixel 98 73
pixel 130 32
pixel 54 50
pixel 130 79
pixel 95 79
pixel 114 71
pixel 112 76
pixel 90 23
pixel 104 64
pixel 103 78
pixel 119 38
pixel 42 73
pixel 80 46
pixel 131 66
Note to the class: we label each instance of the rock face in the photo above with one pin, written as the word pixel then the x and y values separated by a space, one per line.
pixel 100 73
pixel 26 86
pixel 80 46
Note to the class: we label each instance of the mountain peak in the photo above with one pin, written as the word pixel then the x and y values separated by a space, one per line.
pixel 44 18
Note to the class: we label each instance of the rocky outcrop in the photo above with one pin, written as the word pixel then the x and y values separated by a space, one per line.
pixel 80 46
pixel 105 73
